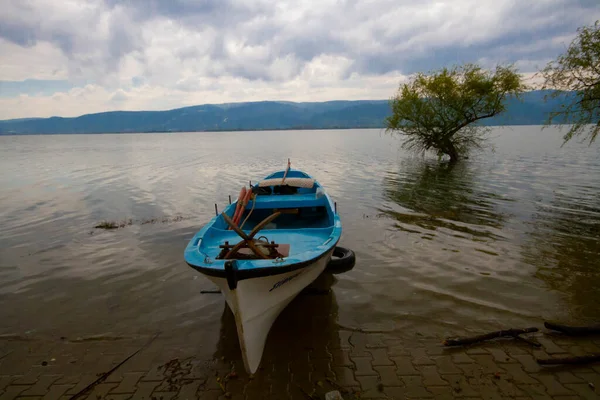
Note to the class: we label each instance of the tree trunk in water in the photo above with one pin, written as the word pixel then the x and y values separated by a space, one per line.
pixel 451 151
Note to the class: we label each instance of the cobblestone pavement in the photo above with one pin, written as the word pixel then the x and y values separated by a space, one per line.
pixel 302 359
pixel 360 365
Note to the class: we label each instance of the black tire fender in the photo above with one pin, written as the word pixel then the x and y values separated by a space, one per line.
pixel 342 260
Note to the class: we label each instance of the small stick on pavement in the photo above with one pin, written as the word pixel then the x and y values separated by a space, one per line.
pixel 492 335
pixel 590 358
pixel 106 374
pixel 573 330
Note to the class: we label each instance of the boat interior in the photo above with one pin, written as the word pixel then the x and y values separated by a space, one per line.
pixel 304 219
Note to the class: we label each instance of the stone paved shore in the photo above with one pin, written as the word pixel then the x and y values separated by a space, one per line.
pixel 360 365
pixel 308 353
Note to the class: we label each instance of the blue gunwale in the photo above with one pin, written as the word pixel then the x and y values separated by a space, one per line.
pixel 314 243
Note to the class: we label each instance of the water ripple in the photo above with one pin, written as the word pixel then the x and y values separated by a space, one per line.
pixel 504 238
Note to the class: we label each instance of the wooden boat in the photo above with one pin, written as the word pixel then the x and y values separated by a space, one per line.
pixel 266 247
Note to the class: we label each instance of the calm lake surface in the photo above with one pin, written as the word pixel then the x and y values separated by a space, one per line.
pixel 505 239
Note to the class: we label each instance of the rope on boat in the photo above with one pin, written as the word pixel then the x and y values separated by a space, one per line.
pixel 286 171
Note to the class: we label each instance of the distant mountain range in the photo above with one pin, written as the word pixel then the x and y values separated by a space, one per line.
pixel 263 115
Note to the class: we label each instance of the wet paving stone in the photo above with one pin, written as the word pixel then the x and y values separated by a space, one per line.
pixel 401 369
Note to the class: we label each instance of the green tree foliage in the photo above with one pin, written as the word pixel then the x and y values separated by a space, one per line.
pixel 577 70
pixel 438 111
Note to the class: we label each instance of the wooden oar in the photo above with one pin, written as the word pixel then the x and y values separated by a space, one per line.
pixel 263 223
pixel 248 239
pixel 233 226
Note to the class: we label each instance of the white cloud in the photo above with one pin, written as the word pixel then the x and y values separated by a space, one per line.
pixel 41 61
pixel 157 54
pixel 95 98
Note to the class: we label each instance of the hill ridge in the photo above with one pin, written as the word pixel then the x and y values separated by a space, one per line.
pixel 258 115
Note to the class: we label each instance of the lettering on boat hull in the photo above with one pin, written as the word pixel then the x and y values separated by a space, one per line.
pixel 284 281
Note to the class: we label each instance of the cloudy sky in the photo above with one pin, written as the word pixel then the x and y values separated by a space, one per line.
pixel 71 57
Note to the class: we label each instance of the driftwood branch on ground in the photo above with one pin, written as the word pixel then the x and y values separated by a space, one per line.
pixel 528 341
pixel 492 335
pixel 570 360
pixel 573 330
pixel 105 375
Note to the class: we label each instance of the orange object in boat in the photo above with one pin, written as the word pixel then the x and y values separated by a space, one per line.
pixel 245 202
pixel 243 206
pixel 241 202
pixel 238 206
pixel 248 196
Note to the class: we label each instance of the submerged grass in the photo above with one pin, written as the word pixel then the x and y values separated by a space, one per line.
pixel 114 224
pixel 109 225
pixel 163 220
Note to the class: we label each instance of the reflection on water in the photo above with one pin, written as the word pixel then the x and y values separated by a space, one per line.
pixel 565 245
pixel 503 239
pixel 535 217
pixel 299 348
pixel 441 195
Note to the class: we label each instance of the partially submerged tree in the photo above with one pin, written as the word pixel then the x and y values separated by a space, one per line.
pixel 578 71
pixel 439 111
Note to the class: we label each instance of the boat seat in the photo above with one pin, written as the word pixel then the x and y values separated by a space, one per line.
pixel 307 183
pixel 287 201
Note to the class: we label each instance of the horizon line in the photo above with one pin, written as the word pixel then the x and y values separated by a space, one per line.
pixel 222 104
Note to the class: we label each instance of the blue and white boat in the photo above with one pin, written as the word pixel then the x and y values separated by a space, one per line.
pixel 263 252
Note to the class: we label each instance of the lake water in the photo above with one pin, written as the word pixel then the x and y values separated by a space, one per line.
pixel 505 239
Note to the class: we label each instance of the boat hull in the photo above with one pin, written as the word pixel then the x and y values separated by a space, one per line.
pixel 298 219
pixel 256 303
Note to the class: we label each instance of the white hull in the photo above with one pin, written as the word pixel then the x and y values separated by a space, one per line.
pixel 256 303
